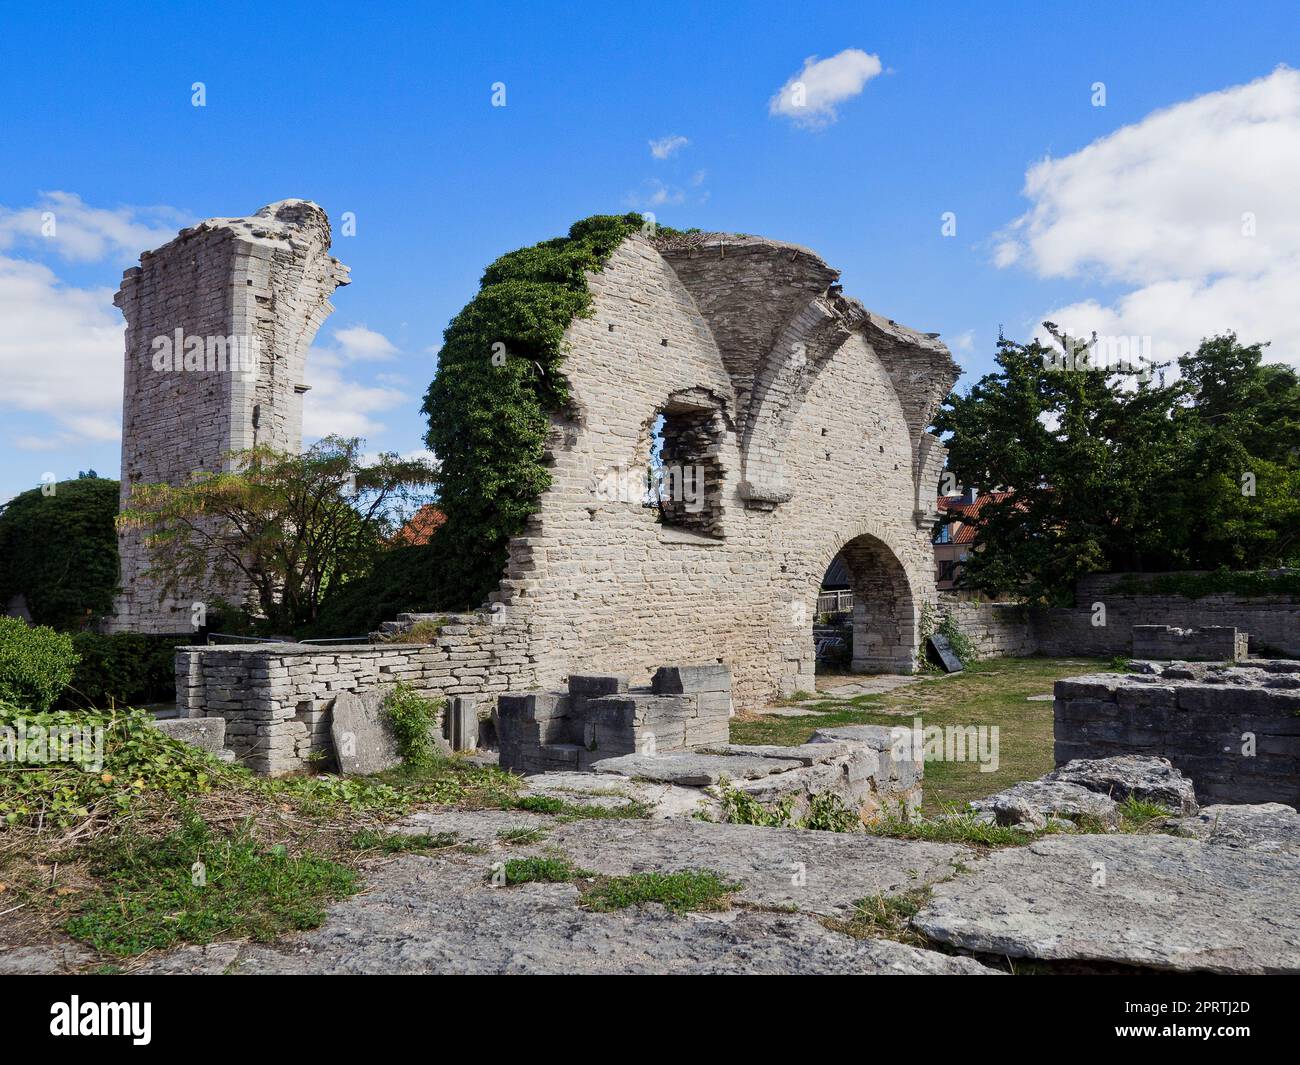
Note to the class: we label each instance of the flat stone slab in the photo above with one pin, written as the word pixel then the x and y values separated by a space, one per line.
pixel 363 740
pixel 1267 826
pixel 877 737
pixel 428 915
pixel 206 733
pixel 1166 903
pixel 805 754
pixel 611 791
pixel 692 770
pixel 814 872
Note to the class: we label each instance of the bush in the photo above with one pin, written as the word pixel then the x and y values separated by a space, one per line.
pixel 125 669
pixel 59 551
pixel 36 664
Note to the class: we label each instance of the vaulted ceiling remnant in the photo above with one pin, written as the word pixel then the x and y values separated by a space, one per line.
pixel 778 318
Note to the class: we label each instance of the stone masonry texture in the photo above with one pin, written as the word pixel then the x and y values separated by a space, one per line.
pixel 1234 730
pixel 259 286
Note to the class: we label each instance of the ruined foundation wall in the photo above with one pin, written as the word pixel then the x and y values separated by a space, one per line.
pixel 254 290
pixel 1272 622
pixel 996 630
pixel 1234 731
pixel 276 698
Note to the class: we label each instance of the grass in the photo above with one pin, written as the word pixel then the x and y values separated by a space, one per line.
pixel 885 917
pixel 154 898
pixel 993 692
pixel 521 836
pixel 369 839
pixel 556 870
pixel 562 810
pixel 692 890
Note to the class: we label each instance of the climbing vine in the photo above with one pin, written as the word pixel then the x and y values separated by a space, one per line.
pixel 499 379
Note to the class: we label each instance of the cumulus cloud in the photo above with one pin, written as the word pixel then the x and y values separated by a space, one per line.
pixel 1191 210
pixel 60 353
pixel 666 146
pixel 654 193
pixel 337 403
pixel 358 342
pixel 61 223
pixel 810 98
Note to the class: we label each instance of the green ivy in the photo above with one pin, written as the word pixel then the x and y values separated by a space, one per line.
pixel 488 418
pixel 126 668
pixel 1215 582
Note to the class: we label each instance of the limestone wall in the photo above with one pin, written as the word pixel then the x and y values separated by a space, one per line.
pixel 1234 731
pixel 996 630
pixel 219 321
pixel 607 587
pixel 276 697
pixel 1271 622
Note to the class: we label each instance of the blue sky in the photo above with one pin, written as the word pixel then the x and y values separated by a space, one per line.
pixel 1134 224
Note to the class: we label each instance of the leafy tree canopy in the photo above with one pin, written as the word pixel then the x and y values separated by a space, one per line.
pixel 58 549
pixel 1115 469
pixel 287 527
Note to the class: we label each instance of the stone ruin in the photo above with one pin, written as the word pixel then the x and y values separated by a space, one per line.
pixel 800 415
pixel 1234 730
pixel 1208 643
pixel 218 323
pixel 674 734
pixel 598 717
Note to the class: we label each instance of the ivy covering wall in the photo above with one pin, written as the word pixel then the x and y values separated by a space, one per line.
pixel 499 379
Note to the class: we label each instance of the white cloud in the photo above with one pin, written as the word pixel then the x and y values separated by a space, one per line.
pixel 61 351
pixel 666 146
pixel 62 224
pixel 963 343
pixel 1192 209
pixel 654 193
pixel 340 405
pixel 810 98
pixel 358 342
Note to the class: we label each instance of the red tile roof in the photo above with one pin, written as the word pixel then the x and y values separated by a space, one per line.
pixel 964 532
pixel 421 525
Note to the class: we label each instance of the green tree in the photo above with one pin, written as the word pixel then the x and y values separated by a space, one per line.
pixel 1112 469
pixel 288 527
pixel 58 549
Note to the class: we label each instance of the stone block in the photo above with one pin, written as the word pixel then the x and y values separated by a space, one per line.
pixel 688 680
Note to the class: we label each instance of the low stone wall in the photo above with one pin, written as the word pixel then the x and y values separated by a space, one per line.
pixel 996 630
pixel 1212 643
pixel 1234 730
pixel 1271 622
pixel 599 717
pixel 277 698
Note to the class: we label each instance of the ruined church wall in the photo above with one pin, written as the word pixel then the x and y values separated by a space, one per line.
pixel 252 292
pixel 604 586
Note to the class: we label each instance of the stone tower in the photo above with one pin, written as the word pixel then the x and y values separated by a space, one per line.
pixel 218 323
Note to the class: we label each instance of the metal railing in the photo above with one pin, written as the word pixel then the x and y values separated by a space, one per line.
pixel 836 602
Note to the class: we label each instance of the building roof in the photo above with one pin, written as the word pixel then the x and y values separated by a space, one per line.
pixel 963 530
pixel 420 526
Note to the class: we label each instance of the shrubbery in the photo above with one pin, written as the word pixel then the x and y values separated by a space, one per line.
pixel 36 663
pixel 59 551
pixel 125 669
